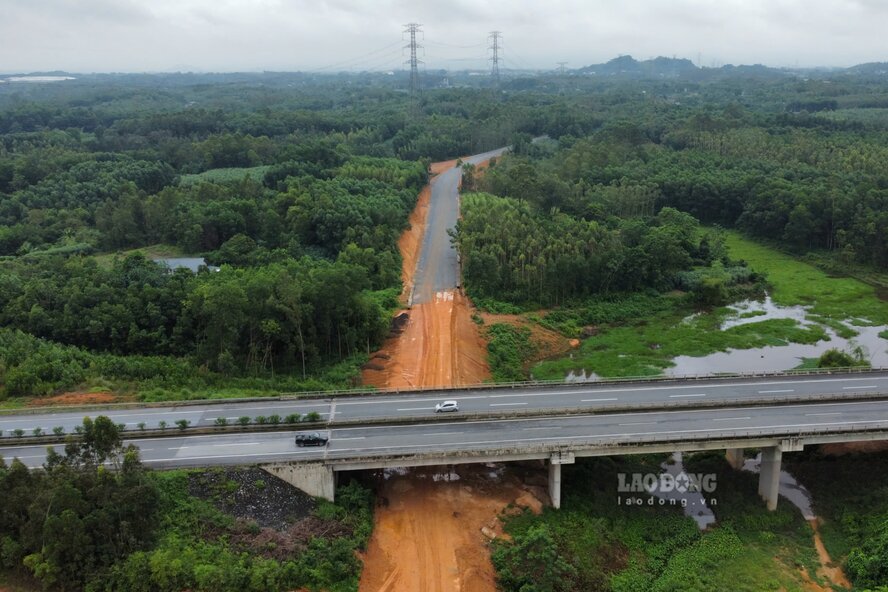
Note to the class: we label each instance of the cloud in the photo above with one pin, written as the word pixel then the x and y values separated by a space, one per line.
pixel 225 35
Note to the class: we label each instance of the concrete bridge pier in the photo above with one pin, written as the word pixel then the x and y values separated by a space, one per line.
pixel 555 462
pixel 769 471
pixel 316 479
pixel 735 458
pixel 769 475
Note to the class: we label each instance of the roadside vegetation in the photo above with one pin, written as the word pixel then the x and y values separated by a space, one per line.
pixel 78 526
pixel 850 494
pixel 596 542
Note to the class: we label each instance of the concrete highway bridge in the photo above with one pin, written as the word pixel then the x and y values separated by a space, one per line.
pixel 553 423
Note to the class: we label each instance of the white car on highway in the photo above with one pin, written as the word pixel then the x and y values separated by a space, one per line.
pixel 446 406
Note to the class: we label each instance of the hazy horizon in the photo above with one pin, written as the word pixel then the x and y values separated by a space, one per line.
pixel 137 36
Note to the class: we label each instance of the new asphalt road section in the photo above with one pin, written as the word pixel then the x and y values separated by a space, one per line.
pixel 480 401
pixel 491 435
pixel 438 267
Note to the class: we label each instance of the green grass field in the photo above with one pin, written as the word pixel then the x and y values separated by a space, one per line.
pixel 645 346
pixel 796 282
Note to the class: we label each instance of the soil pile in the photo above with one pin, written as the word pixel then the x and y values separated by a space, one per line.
pixel 428 528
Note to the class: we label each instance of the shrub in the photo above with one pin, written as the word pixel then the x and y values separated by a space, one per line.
pixel 221 421
pixel 244 420
pixel 182 424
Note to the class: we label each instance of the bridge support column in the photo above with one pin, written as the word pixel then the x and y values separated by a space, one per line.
pixel 555 485
pixel 735 458
pixel 555 462
pixel 315 479
pixel 769 475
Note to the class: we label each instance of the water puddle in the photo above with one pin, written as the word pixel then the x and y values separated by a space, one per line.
pixel 692 502
pixel 582 376
pixel 783 357
pixel 790 489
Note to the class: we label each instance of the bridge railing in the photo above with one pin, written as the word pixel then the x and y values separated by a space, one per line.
pixel 617 444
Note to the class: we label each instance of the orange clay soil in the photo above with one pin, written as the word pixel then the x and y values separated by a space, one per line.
pixel 440 345
pixel 410 242
pixel 828 569
pixel 548 343
pixel 428 534
pixel 78 399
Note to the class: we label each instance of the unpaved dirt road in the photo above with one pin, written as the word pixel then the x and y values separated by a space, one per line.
pixel 439 345
pixel 427 536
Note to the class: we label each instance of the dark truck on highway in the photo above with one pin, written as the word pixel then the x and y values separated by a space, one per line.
pixel 314 439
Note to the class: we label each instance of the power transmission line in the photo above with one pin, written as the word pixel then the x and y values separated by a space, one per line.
pixel 561 67
pixel 495 37
pixel 412 29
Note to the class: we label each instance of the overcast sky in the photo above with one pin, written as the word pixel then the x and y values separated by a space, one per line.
pixel 330 35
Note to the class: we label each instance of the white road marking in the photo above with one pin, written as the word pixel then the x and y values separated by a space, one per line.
pixel 416 409
pixel 779 391
pixel 821 414
pixel 439 434
pixel 352 438
pixel 624 389
pixel 639 423
pixel 597 400
pixel 851 388
pixel 681 396
pixel 506 404
pixel 730 418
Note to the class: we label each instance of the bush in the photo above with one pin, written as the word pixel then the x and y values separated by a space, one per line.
pixel 293 418
pixel 274 419
pixel 312 417
pixel 221 421
pixel 182 424
pixel 244 420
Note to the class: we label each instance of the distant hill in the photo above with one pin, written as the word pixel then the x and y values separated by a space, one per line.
pixel 628 67
pixel 674 68
pixel 870 69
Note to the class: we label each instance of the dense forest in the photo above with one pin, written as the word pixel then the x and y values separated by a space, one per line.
pixel 298 189
pixel 298 196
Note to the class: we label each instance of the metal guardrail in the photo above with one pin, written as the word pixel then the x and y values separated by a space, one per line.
pixel 614 443
pixel 376 392
pixel 8 440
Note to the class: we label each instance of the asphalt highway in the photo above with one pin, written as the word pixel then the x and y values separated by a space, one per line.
pixel 438 267
pixel 490 435
pixel 481 401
